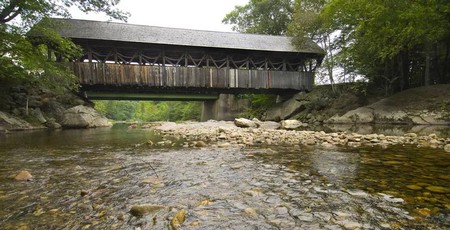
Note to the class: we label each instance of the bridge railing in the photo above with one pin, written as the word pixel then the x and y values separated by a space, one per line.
pixel 98 73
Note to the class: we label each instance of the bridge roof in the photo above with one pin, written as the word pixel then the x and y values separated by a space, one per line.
pixel 122 32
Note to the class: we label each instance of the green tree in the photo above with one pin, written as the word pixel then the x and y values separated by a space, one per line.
pixel 24 58
pixel 309 22
pixel 398 44
pixel 261 17
pixel 146 111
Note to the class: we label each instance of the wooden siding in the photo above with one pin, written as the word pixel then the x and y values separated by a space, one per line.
pixel 97 73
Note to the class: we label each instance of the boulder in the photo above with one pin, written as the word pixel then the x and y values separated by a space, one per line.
pixel 52 124
pixel 83 117
pixel 287 109
pixel 38 115
pixel 8 122
pixel 245 123
pixel 292 124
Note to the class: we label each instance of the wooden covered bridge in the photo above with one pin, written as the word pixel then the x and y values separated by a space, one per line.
pixel 136 60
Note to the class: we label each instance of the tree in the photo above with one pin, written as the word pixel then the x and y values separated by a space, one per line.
pixel 395 43
pixel 308 22
pixel 261 17
pixel 24 58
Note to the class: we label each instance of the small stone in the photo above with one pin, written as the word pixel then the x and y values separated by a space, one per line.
pixel 245 123
pixel 194 223
pixel 23 175
pixel 327 145
pixel 84 192
pixel 425 212
pixel 282 211
pixel 204 203
pixel 437 189
pixel 414 187
pixel 351 225
pixel 410 135
pixel 250 211
pixel 142 210
pixel 291 124
pixel 224 145
pixel 178 219
pixel 200 144
pixel 447 148
pixel 310 142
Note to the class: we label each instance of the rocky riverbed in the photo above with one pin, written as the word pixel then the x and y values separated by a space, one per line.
pixel 103 179
pixel 243 132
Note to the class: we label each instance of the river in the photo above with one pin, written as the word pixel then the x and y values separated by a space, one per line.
pixel 90 179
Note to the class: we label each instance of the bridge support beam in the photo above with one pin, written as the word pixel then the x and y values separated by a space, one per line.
pixel 226 108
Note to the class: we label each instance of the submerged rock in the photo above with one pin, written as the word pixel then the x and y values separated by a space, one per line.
pixel 178 219
pixel 23 175
pixel 437 189
pixel 142 210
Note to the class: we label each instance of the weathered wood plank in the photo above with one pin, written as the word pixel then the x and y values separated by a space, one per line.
pixel 158 76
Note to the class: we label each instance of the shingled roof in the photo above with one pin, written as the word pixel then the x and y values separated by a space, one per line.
pixel 123 32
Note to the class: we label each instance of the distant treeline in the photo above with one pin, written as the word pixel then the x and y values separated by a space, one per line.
pixel 145 111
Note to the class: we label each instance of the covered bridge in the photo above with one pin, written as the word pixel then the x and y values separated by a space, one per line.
pixel 127 58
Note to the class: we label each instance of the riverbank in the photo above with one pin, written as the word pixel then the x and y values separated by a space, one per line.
pixel 29 108
pixel 357 104
pixel 225 134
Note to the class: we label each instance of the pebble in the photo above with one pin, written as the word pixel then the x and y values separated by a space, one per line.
pixel 23 176
pixel 250 211
pixel 447 148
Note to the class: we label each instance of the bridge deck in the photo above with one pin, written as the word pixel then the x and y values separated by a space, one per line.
pixel 93 74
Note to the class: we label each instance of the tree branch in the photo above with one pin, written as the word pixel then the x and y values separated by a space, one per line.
pixel 11 11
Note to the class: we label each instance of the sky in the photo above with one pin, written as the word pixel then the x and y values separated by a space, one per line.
pixel 188 14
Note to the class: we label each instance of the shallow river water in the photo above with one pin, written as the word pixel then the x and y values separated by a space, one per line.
pixel 90 179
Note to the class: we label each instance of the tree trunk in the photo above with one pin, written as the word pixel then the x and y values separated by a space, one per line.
pixel 427 76
pixel 329 63
pixel 445 75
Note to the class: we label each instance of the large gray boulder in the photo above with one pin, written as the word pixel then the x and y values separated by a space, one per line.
pixel 379 113
pixel 83 117
pixel 287 109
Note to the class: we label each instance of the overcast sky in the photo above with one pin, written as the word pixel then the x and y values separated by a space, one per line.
pixel 189 14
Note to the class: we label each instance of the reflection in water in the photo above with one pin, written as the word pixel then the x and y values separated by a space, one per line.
pixel 91 178
pixel 336 167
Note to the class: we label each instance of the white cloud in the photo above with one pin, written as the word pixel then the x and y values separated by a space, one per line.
pixel 192 14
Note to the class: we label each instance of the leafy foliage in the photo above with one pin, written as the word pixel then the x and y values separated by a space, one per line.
pixel 259 103
pixel 146 111
pixel 395 45
pixel 261 17
pixel 26 59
